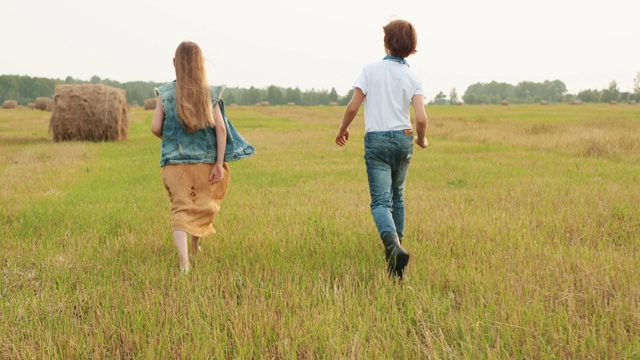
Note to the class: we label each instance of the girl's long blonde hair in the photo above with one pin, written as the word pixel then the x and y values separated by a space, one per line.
pixel 193 98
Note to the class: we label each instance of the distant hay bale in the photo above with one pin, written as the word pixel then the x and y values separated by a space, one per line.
pixel 44 103
pixel 263 103
pixel 632 102
pixel 150 104
pixel 31 106
pixel 459 103
pixel 10 104
pixel 613 102
pixel 333 103
pixel 94 112
pixel 504 103
pixel 575 102
pixel 291 104
pixel 544 102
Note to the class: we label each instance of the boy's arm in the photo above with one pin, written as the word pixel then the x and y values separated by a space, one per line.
pixel 350 113
pixel 422 121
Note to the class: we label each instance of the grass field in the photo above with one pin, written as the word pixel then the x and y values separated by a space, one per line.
pixel 523 223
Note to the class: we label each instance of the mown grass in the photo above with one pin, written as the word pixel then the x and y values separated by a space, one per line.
pixel 522 222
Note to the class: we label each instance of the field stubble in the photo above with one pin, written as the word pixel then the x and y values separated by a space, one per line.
pixel 522 223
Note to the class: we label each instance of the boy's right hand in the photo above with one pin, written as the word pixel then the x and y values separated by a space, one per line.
pixel 423 143
pixel 342 138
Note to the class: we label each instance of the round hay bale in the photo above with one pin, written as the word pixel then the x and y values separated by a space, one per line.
pixel 31 106
pixel 544 102
pixel 10 104
pixel 504 103
pixel 632 102
pixel 94 112
pixel 263 103
pixel 150 104
pixel 333 103
pixel 459 103
pixel 44 103
pixel 291 104
pixel 613 102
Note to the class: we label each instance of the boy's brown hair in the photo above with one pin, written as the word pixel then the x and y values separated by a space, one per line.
pixel 400 38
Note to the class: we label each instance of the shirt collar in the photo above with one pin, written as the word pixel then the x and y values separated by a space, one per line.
pixel 396 59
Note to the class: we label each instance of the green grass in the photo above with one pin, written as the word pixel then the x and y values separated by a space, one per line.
pixel 522 221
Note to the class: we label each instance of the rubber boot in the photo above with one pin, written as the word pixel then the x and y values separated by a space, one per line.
pixel 397 257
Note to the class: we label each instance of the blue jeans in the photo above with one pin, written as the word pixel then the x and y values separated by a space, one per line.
pixel 387 155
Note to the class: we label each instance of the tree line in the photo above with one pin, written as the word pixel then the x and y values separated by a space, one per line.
pixel 527 92
pixel 25 89
pixel 276 95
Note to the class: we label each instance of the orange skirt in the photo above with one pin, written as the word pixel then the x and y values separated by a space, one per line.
pixel 194 201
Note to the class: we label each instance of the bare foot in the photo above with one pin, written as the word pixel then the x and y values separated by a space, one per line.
pixel 184 269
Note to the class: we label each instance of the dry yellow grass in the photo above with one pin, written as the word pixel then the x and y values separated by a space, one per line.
pixel 590 130
pixel 520 248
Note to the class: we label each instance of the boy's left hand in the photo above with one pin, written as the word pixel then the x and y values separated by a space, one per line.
pixel 423 143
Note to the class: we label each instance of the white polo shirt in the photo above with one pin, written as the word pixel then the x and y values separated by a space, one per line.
pixel 389 87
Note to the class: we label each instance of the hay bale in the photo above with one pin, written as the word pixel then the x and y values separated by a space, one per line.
pixel 95 112
pixel 291 104
pixel 459 103
pixel 544 102
pixel 44 103
pixel 150 104
pixel 333 103
pixel 10 104
pixel 613 102
pixel 632 102
pixel 31 106
pixel 263 103
pixel 504 103
pixel 575 102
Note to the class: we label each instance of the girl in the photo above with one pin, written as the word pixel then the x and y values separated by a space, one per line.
pixel 388 89
pixel 197 141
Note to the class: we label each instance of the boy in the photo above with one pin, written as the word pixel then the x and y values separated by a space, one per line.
pixel 389 88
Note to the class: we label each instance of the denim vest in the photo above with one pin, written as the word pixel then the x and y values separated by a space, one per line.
pixel 180 147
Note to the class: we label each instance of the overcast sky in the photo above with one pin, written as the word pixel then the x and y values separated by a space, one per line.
pixel 324 44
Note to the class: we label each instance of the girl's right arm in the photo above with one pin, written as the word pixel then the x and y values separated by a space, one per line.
pixel 158 118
